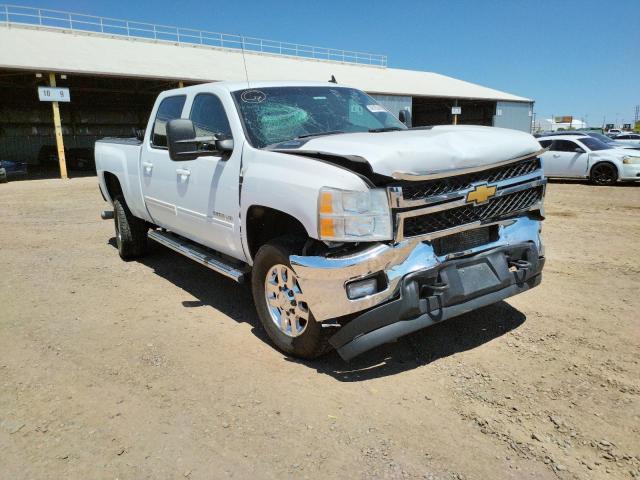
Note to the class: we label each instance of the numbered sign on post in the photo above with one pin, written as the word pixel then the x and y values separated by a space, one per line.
pixel 54 94
pixel 456 110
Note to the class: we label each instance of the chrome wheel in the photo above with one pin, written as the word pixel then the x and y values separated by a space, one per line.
pixel 285 301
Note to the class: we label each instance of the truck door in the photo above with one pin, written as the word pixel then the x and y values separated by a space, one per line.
pixel 207 201
pixel 157 171
pixel 565 159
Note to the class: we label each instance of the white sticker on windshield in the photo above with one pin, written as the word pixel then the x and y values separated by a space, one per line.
pixel 253 96
pixel 376 108
pixel 319 98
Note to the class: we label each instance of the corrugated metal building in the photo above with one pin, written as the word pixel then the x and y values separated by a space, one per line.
pixel 115 68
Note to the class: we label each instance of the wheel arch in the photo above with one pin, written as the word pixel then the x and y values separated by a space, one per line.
pixel 112 185
pixel 263 224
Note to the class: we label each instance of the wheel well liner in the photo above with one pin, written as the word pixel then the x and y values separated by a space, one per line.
pixel 114 189
pixel 264 224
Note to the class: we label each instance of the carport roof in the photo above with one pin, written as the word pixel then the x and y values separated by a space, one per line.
pixel 44 49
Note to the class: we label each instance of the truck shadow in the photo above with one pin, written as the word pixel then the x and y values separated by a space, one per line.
pixel 425 346
pixel 418 349
pixel 208 287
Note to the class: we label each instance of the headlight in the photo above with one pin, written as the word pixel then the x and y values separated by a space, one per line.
pixel 353 216
pixel 629 160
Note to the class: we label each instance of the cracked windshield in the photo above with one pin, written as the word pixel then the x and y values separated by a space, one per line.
pixel 278 114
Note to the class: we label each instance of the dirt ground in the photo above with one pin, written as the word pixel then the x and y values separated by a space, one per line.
pixel 157 369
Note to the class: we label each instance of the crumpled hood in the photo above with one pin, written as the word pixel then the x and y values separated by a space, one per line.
pixel 426 151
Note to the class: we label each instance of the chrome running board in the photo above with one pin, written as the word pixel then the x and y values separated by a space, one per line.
pixel 207 257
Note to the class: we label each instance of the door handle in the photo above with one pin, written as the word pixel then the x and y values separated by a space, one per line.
pixel 148 166
pixel 183 172
pixel 555 155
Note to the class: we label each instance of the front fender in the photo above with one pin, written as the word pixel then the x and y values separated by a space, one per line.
pixel 291 184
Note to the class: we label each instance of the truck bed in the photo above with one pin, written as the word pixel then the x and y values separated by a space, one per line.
pixel 120 157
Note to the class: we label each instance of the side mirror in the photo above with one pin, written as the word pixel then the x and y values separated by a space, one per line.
pixel 181 140
pixel 405 117
pixel 579 150
pixel 184 145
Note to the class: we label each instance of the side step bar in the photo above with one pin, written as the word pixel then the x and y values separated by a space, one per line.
pixel 202 255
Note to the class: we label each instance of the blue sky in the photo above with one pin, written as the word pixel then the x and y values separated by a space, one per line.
pixel 573 57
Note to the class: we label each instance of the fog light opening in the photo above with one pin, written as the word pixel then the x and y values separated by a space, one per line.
pixel 362 288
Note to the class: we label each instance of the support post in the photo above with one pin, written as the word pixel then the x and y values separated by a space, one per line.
pixel 180 84
pixel 58 129
pixel 455 117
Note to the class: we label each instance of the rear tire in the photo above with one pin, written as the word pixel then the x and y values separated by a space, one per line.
pixel 283 313
pixel 604 174
pixel 131 232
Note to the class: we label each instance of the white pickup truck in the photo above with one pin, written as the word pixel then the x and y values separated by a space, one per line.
pixel 352 228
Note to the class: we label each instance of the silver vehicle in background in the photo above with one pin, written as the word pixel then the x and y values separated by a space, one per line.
pixel 631 139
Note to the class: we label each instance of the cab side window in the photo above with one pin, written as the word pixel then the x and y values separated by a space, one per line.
pixel 170 108
pixel 208 116
pixel 563 146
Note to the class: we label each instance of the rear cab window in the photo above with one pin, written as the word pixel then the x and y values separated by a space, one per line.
pixel 170 108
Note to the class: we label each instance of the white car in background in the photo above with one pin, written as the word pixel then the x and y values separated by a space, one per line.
pixel 570 156
pixel 628 139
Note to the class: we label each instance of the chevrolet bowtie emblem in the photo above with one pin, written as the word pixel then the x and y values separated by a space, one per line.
pixel 481 194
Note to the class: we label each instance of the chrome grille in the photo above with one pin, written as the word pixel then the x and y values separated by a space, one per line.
pixel 499 207
pixel 423 189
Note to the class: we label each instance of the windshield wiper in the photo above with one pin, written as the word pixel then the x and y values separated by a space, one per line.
pixel 331 132
pixel 384 129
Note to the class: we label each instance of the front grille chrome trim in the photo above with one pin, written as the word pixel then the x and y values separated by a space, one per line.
pixel 416 177
pixel 461 203
pixel 507 190
pixel 398 201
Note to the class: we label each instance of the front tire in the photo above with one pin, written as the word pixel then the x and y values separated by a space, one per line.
pixel 604 174
pixel 280 302
pixel 131 232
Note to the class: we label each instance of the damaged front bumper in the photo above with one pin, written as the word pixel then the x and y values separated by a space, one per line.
pixel 419 288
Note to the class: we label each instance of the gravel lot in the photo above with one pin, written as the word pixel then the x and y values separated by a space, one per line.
pixel 157 369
